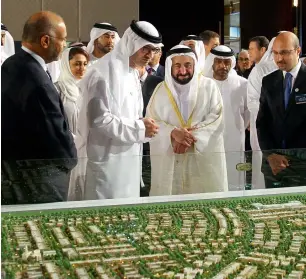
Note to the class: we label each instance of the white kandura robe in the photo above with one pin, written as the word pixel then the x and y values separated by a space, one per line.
pixel 202 168
pixel 92 60
pixel 236 119
pixel 114 144
pixel 254 90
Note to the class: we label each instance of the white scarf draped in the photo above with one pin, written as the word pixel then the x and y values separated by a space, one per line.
pixel 185 95
pixel 66 81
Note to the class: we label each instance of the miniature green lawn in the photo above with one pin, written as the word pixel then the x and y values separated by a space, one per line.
pixel 224 238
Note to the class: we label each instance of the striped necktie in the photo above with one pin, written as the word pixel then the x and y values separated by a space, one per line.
pixel 48 73
pixel 288 85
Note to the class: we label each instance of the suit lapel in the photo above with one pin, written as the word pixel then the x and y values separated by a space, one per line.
pixel 278 92
pixel 298 85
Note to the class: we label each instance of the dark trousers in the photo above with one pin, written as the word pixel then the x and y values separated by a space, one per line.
pixel 248 156
pixel 146 174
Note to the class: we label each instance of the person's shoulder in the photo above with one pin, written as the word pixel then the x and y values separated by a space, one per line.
pixel 25 69
pixel 206 82
pixel 271 77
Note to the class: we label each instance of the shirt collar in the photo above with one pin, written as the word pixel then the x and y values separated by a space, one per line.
pixel 294 72
pixel 154 68
pixel 36 57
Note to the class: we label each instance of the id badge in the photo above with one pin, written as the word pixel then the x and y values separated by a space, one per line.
pixel 300 99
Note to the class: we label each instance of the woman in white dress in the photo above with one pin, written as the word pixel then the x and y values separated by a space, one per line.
pixel 72 69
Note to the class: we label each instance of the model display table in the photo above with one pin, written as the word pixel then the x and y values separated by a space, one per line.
pixel 252 234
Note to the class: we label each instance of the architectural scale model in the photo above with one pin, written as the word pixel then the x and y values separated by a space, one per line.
pixel 241 238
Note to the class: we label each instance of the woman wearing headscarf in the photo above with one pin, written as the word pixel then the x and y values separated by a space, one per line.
pixel 73 68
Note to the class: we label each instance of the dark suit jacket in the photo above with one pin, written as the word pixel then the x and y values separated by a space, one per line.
pixel 37 146
pixel 160 71
pixel 274 123
pixel 147 90
pixel 278 128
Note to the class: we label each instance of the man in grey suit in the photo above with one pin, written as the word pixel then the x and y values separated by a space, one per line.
pixel 38 149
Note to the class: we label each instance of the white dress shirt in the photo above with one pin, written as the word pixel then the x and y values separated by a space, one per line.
pixel 36 57
pixel 294 72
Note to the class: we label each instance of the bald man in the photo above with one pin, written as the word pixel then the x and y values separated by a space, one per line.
pixel 37 145
pixel 281 121
pixel 244 65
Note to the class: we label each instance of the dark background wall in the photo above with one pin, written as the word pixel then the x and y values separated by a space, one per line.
pixel 175 20
pixel 257 17
pixel 267 17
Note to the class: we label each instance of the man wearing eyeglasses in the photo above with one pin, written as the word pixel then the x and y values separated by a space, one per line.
pixel 281 121
pixel 244 66
pixel 37 145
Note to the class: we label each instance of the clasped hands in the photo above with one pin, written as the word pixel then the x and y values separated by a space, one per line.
pixel 182 139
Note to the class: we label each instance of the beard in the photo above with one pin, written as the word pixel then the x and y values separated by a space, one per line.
pixel 182 79
pixel 105 48
pixel 53 53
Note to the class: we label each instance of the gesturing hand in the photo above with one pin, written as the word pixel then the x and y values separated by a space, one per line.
pixel 151 127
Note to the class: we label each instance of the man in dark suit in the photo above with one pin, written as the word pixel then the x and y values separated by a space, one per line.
pixel 148 88
pixel 38 149
pixel 281 121
pixel 154 68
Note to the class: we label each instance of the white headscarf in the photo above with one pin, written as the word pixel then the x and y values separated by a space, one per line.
pixel 66 81
pixel 97 32
pixel 199 49
pixel 221 52
pixel 114 67
pixel 9 47
pixel 187 92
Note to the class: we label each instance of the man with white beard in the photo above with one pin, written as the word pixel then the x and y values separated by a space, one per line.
pixel 103 38
pixel 220 64
pixel 187 155
pixel 111 123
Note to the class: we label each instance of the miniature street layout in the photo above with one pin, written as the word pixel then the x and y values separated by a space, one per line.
pixel 240 238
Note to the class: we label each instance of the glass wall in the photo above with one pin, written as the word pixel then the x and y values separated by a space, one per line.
pixel 232 24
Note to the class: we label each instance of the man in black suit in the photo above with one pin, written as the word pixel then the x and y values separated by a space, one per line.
pixel 38 149
pixel 281 121
pixel 148 88
pixel 154 68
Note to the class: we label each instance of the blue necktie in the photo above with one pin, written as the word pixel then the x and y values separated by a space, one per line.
pixel 288 85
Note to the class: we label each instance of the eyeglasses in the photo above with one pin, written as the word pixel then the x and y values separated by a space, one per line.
pixel 285 52
pixel 62 39
pixel 147 49
pixel 244 59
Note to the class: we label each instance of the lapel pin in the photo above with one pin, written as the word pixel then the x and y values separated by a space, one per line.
pixel 297 90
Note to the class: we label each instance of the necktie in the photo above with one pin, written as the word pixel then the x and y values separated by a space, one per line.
pixel 288 85
pixel 150 71
pixel 48 73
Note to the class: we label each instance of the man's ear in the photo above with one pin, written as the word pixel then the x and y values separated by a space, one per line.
pixel 45 41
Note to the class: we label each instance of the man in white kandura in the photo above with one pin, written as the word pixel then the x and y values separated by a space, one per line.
pixel 187 155
pixel 103 38
pixel 233 88
pixel 265 66
pixel 111 123
pixel 7 44
pixel 196 43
